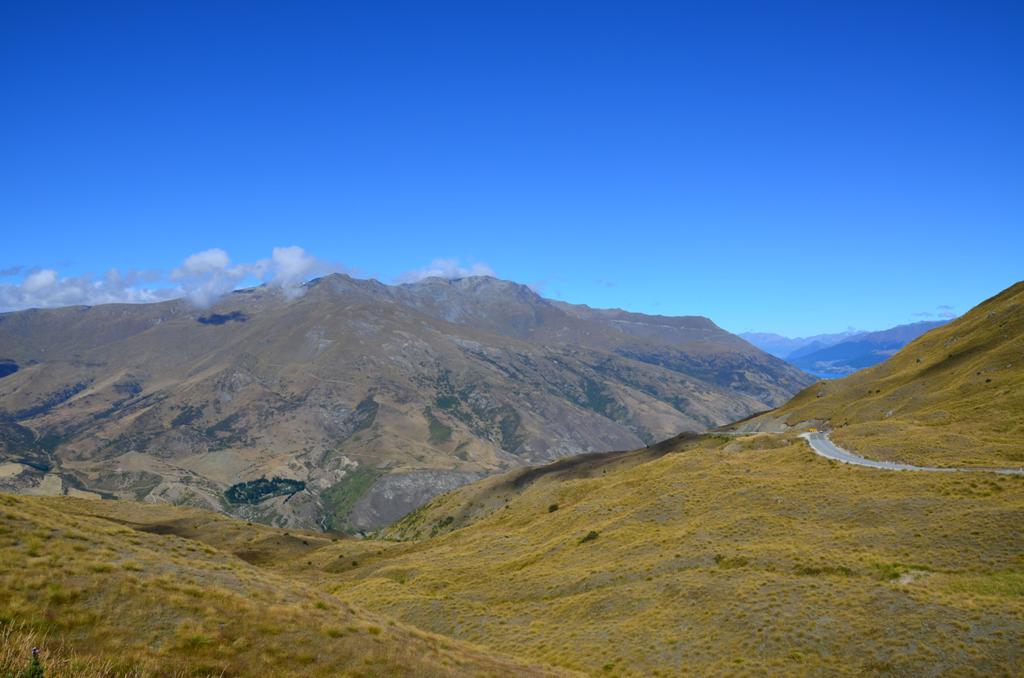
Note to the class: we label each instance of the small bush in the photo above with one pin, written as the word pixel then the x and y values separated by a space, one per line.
pixel 814 571
pixel 730 563
pixel 552 508
pixel 589 536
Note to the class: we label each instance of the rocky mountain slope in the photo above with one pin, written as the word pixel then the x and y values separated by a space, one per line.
pixel 356 402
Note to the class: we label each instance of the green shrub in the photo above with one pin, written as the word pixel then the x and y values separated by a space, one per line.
pixel 34 669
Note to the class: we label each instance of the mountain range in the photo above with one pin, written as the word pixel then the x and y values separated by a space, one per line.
pixel 357 401
pixel 837 355
pixel 784 347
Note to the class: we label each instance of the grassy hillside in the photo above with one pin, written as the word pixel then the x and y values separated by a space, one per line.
pixel 953 397
pixel 706 555
pixel 725 556
pixel 117 588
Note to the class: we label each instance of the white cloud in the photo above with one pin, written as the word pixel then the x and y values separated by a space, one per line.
pixel 39 281
pixel 45 289
pixel 445 268
pixel 202 278
pixel 206 261
pixel 289 267
pixel 207 276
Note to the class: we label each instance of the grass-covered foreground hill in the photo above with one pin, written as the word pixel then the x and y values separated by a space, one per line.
pixel 953 397
pixel 707 555
pixel 117 588
pixel 723 556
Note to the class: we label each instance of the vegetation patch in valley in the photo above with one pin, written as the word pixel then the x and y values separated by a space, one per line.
pixel 486 417
pixel 440 433
pixel 186 415
pixel 52 400
pixel 261 489
pixel 365 414
pixel 339 498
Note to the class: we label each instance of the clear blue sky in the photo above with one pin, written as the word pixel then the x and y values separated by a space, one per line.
pixel 789 167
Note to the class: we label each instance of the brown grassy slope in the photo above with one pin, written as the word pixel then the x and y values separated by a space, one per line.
pixel 728 557
pixel 953 397
pixel 468 504
pixel 159 604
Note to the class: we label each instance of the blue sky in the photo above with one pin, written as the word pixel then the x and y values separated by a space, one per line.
pixel 788 167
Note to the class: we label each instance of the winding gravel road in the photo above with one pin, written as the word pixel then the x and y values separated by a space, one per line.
pixel 820 443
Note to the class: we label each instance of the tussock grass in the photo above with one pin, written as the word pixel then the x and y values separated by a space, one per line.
pixel 56 660
pixel 112 588
pixel 730 556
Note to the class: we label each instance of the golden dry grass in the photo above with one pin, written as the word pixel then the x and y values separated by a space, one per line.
pixel 723 556
pixel 747 556
pixel 129 602
pixel 57 660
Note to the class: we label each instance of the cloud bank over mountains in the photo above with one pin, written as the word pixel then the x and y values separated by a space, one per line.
pixel 206 276
pixel 44 288
pixel 445 268
pixel 202 278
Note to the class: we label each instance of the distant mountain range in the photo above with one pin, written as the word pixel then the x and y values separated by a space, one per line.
pixel 356 402
pixel 784 347
pixel 837 355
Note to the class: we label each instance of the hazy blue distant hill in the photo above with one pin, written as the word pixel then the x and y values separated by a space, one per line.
pixel 789 347
pixel 860 351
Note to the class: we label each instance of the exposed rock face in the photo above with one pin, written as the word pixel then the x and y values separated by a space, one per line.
pixel 396 494
pixel 413 386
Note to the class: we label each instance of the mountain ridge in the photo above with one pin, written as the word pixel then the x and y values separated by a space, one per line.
pixel 367 398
